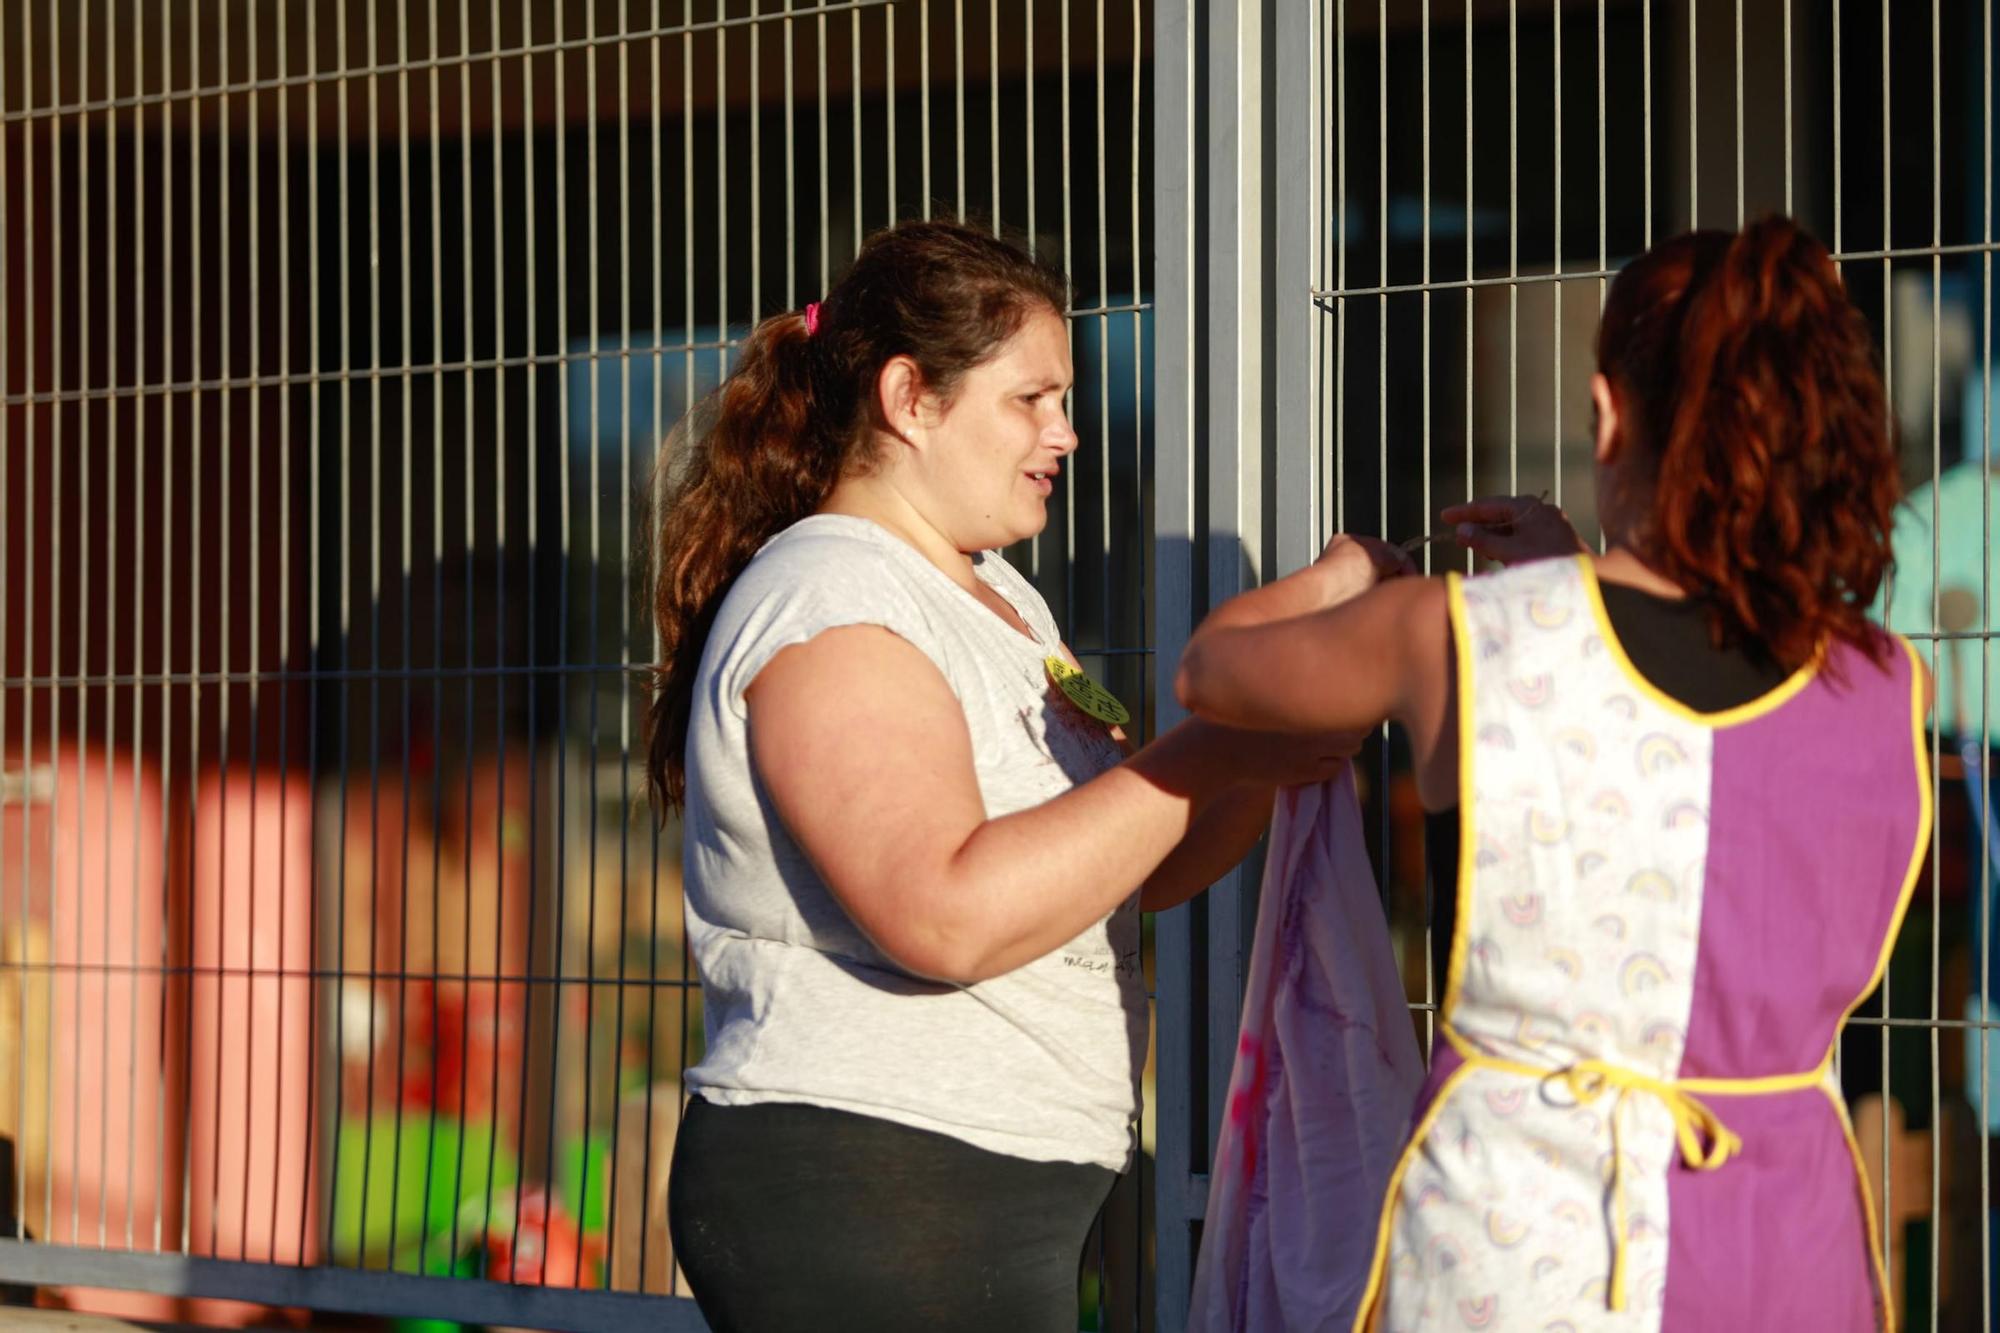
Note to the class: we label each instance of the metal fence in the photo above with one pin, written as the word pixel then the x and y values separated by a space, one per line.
pixel 1385 228
pixel 340 957
pixel 340 961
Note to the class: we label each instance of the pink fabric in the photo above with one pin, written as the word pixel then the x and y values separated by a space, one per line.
pixel 1326 1077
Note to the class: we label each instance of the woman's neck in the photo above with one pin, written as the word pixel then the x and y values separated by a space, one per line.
pixel 877 499
pixel 1620 565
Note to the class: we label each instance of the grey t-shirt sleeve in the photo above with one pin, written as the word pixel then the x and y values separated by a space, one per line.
pixel 802 588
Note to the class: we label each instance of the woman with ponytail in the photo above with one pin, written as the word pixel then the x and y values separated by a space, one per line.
pixel 1683 786
pixel 915 847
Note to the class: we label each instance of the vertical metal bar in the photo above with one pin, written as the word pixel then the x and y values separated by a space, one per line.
pixel 1987 529
pixel 1694 118
pixel 722 198
pixel 1937 539
pixel 84 545
pixel 225 691
pixel 853 130
pixel 1141 1244
pixel 923 92
pixel 255 563
pixel 1471 292
pixel 1835 112
pixel 561 358
pixel 1034 241
pixel 374 597
pixel 531 464
pixel 1513 246
pixel 166 617
pixel 195 328
pixel 469 482
pixel 791 174
pixel 316 1049
pixel 616 1163
pixel 1382 315
pixel 1788 103
pixel 658 437
pixel 1069 399
pixel 55 601
pixel 284 340
pixel 992 111
pixel 1340 264
pixel 687 197
pixel 498 165
pixel 347 611
pixel 890 94
pixel 1646 82
pixel 406 443
pixel 1028 96
pixel 1739 113
pixel 434 153
pixel 592 640
pixel 958 92
pixel 756 164
pixel 1235 318
pixel 1889 379
pixel 1176 1192
pixel 139 553
pixel 825 216
pixel 1103 328
pixel 1556 267
pixel 1296 231
pixel 19 1202
pixel 722 366
pixel 27 585
pixel 1424 35
pixel 111 526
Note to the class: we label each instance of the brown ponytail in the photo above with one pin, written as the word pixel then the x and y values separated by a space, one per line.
pixel 797 414
pixel 1747 386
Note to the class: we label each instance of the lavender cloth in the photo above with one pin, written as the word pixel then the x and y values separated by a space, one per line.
pixel 1326 1076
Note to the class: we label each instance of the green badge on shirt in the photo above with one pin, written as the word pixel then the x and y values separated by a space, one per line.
pixel 1086 693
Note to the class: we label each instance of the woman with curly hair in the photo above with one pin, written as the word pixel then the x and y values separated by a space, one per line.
pixel 1691 802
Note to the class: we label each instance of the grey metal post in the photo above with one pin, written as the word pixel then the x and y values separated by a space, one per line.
pixel 1177 1194
pixel 1210 200
pixel 1297 227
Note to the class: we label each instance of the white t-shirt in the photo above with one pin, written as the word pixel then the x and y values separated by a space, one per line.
pixel 1042 1063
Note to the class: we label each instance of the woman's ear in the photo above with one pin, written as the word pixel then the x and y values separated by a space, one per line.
pixel 1608 441
pixel 900 397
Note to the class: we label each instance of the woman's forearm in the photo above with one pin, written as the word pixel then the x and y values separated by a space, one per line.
pixel 1222 835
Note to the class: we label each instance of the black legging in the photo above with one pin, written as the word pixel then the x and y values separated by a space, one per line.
pixel 788 1217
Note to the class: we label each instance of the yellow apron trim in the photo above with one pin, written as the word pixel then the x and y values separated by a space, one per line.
pixel 1728 717
pixel 1882 1301
pixel 1706 1143
pixel 1468 842
pixel 1379 1268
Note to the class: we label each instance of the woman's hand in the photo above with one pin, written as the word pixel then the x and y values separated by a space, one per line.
pixel 1351 565
pixel 1278 758
pixel 1513 529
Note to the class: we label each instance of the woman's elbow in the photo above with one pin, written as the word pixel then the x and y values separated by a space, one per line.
pixel 950 957
pixel 1191 679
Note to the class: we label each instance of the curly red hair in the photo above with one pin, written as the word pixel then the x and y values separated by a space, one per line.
pixel 1749 392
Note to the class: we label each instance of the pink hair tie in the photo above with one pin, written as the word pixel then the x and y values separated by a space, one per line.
pixel 812 318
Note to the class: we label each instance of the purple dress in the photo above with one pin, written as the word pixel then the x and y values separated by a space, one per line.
pixel 1631 1120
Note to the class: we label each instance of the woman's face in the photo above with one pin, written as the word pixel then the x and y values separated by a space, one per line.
pixel 990 459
